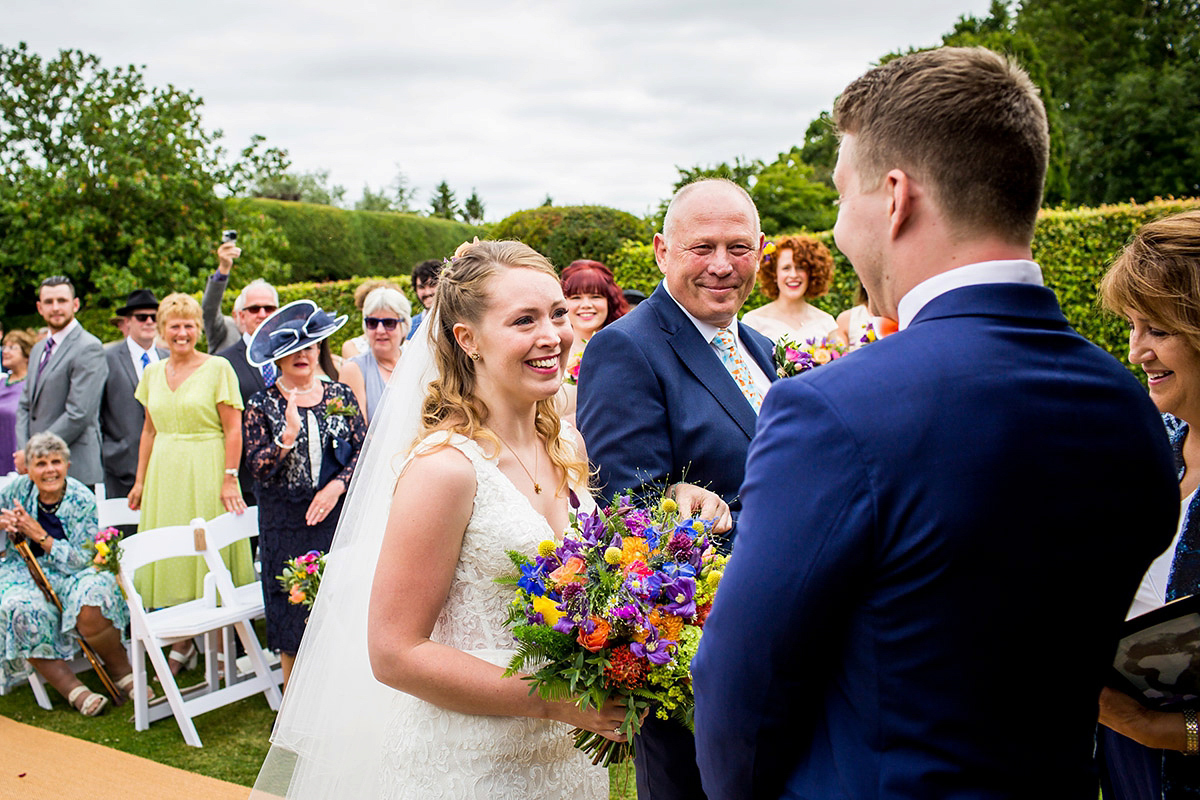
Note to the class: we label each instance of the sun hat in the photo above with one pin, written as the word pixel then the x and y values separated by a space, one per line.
pixel 290 329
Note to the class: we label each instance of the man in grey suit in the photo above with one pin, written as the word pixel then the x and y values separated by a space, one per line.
pixel 66 379
pixel 121 415
pixel 254 304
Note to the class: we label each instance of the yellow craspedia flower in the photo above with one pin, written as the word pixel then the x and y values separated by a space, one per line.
pixel 714 578
pixel 546 548
pixel 613 555
pixel 546 607
pixel 697 526
pixel 668 506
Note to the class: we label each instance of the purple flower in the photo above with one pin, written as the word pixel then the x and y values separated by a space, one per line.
pixel 591 527
pixel 627 613
pixel 637 521
pixel 643 587
pixel 679 546
pixel 654 650
pixel 681 594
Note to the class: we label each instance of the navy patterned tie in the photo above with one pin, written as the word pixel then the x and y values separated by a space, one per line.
pixel 269 373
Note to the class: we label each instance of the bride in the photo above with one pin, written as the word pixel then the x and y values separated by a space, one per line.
pixel 409 600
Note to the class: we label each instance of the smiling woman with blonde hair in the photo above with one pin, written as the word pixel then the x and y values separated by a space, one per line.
pixel 188 457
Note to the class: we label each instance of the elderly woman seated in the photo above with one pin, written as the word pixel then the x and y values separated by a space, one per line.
pixel 56 515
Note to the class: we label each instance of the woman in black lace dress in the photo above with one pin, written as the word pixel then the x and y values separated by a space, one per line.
pixel 302 437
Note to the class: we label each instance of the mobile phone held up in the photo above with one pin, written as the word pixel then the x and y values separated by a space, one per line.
pixel 228 236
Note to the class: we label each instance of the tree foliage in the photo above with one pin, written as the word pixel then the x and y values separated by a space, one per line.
pixel 472 211
pixel 443 202
pixel 109 181
pixel 566 233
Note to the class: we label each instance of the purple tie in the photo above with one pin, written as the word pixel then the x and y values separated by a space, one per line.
pixel 46 354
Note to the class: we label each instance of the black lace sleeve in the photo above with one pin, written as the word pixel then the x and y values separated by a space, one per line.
pixel 263 456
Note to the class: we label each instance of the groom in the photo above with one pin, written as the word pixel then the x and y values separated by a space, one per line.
pixel 670 392
pixel 941 533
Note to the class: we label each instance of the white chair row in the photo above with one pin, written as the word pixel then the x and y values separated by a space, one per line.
pixel 223 611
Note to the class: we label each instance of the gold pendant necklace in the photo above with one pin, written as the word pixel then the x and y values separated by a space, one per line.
pixel 537 487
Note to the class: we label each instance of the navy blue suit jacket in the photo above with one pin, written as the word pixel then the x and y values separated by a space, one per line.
pixel 657 406
pixel 940 537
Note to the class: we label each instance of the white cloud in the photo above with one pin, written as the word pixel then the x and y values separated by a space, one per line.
pixel 587 102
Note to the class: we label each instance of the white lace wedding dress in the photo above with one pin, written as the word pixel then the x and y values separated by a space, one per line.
pixel 429 752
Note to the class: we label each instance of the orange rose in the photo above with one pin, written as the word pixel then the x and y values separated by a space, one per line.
pixel 569 572
pixel 598 638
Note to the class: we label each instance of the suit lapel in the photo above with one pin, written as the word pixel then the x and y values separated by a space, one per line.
pixel 57 358
pixel 698 357
pixel 762 356
pixel 126 361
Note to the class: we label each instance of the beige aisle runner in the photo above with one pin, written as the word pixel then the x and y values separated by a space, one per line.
pixel 36 764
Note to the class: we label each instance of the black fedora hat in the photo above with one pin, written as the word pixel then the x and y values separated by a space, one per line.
pixel 290 329
pixel 138 298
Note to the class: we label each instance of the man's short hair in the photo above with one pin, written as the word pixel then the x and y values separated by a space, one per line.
pixel 966 122
pixel 257 283
pixel 426 271
pixel 56 280
pixel 673 208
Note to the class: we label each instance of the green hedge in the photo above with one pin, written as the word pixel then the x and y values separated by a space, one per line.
pixel 1073 247
pixel 566 233
pixel 327 243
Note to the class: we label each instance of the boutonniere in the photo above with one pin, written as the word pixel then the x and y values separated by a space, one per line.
pixel 336 408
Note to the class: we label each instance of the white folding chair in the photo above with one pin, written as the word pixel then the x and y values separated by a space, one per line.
pixel 222 531
pixel 154 630
pixel 114 511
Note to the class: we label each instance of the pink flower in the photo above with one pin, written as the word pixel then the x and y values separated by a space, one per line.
pixel 312 568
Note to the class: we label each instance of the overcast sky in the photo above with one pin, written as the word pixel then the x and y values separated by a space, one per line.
pixel 589 102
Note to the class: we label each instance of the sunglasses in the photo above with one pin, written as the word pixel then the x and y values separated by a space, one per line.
pixel 150 317
pixel 260 309
pixel 388 323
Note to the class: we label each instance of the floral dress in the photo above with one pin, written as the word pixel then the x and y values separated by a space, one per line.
pixel 30 627
pixel 327 447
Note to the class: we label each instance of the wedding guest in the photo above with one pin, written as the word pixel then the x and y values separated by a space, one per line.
pixel 593 301
pixel 991 486
pixel 302 438
pixel 1155 285
pixel 254 303
pixel 15 357
pixel 386 313
pixel 190 447
pixel 66 379
pixel 425 278
pixel 672 393
pixel 855 323
pixel 797 268
pixel 56 514
pixel 121 415
pixel 359 344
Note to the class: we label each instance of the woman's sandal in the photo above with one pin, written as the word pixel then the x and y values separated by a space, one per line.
pixel 186 660
pixel 91 703
pixel 126 685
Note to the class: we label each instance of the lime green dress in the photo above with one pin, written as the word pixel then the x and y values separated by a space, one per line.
pixel 185 473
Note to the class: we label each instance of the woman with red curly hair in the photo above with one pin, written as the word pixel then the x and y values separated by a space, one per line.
pixel 593 301
pixel 792 270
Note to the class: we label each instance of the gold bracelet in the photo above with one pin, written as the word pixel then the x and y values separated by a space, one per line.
pixel 1192 726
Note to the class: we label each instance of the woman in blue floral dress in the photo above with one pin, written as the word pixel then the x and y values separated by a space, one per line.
pixel 301 437
pixel 57 515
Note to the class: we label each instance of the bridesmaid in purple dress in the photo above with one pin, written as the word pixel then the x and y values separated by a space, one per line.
pixel 15 358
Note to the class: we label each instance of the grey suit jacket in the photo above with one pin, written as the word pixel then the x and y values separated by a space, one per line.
pixel 220 331
pixel 65 399
pixel 121 419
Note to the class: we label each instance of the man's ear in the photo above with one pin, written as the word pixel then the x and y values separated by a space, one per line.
pixel 900 200
pixel 660 252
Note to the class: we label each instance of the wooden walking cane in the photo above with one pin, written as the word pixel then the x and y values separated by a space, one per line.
pixel 21 544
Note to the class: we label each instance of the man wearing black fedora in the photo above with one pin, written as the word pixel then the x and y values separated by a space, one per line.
pixel 121 416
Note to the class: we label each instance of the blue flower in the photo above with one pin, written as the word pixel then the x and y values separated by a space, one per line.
pixel 531 579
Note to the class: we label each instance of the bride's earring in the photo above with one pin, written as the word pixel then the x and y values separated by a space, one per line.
pixel 473 356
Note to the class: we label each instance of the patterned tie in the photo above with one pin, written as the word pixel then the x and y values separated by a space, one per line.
pixel 145 360
pixel 269 373
pixel 46 355
pixel 737 367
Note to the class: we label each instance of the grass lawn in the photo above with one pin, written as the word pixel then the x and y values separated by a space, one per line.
pixel 235 736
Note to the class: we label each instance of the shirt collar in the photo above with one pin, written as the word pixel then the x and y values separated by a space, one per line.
pixel 707 330
pixel 1015 271
pixel 58 337
pixel 136 350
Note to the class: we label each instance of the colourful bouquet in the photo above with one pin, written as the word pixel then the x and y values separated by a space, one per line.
pixel 792 358
pixel 572 374
pixel 301 577
pixel 336 408
pixel 616 610
pixel 106 545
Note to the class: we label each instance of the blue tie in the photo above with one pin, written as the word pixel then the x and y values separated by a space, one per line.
pixel 145 360
pixel 269 373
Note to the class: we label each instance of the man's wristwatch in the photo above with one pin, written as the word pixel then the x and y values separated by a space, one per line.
pixel 232 471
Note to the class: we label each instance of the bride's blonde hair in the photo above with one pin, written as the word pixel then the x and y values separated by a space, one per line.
pixel 451 404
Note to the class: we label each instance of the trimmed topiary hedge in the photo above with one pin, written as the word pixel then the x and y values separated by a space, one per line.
pixel 1074 248
pixel 327 243
pixel 566 233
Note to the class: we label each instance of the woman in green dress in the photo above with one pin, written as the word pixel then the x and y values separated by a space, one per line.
pixel 187 461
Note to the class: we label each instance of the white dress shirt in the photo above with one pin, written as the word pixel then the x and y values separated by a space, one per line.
pixel 135 353
pixel 1018 271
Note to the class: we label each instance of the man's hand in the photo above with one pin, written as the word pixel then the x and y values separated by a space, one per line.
pixel 226 253
pixel 696 502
